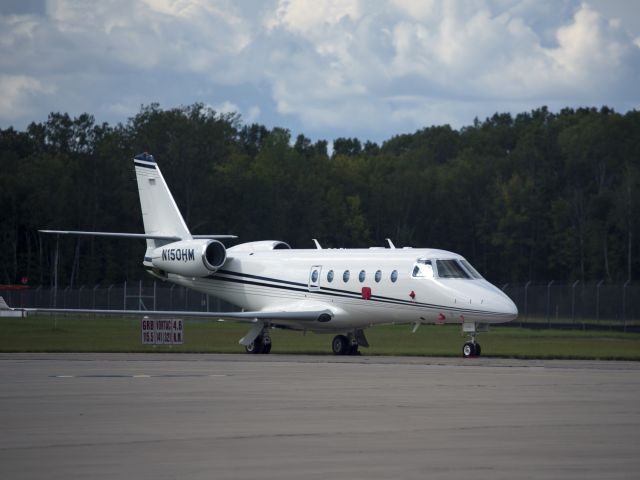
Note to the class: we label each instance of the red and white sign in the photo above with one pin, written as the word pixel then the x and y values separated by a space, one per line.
pixel 162 331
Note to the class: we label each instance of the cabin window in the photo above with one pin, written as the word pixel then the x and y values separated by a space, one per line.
pixel 314 276
pixel 330 276
pixel 362 276
pixel 474 273
pixel 345 276
pixel 394 276
pixel 451 269
pixel 378 276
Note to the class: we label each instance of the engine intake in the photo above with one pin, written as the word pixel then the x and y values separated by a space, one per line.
pixel 191 258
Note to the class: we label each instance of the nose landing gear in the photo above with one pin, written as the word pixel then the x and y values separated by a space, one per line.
pixel 472 348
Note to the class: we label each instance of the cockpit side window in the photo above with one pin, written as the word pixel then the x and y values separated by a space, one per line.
pixel 422 269
pixel 451 269
pixel 474 273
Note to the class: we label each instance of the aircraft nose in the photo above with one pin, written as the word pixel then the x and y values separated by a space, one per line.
pixel 507 307
pixel 511 309
pixel 500 304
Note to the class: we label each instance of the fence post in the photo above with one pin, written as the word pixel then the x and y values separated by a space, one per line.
pixel 109 296
pixel 573 301
pixel 38 296
pixel 80 295
pixel 154 295
pixel 549 302
pixel 526 305
pixel 93 301
pixel 598 301
pixel 624 305
pixel 124 296
pixel 64 296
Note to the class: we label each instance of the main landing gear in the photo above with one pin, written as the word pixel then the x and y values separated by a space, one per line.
pixel 349 344
pixel 262 344
pixel 257 340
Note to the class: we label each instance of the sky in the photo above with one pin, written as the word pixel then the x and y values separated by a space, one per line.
pixel 325 68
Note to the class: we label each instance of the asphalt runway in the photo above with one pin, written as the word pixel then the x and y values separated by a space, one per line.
pixel 316 417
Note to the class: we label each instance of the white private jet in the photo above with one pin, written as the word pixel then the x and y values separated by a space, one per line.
pixel 341 291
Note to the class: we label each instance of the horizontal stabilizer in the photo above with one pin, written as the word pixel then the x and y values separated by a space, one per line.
pixel 134 235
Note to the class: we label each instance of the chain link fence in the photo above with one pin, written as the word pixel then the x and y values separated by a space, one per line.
pixel 128 296
pixel 552 304
pixel 577 305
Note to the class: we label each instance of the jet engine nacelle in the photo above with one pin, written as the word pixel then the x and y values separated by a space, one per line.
pixel 191 258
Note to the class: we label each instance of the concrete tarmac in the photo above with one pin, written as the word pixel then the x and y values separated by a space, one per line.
pixel 316 417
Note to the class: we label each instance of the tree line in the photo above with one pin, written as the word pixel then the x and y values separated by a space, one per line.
pixel 535 196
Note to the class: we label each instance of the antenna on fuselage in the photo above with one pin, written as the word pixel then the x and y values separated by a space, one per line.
pixel 317 244
pixel 391 245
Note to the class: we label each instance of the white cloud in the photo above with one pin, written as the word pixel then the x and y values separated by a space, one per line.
pixel 249 116
pixel 326 67
pixel 17 91
pixel 252 114
pixel 312 17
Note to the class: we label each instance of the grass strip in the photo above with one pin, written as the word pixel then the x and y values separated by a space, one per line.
pixel 44 333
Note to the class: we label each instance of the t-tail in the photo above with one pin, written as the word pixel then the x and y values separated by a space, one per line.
pixel 160 214
pixel 170 246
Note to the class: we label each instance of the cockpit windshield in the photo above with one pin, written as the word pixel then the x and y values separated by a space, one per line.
pixel 448 268
pixel 474 273
pixel 451 269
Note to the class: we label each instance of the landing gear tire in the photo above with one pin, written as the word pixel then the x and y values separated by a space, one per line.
pixel 471 349
pixel 259 345
pixel 340 345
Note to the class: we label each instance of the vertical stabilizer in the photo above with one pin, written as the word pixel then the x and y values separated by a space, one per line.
pixel 160 214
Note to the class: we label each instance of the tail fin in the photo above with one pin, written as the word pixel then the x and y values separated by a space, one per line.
pixel 160 214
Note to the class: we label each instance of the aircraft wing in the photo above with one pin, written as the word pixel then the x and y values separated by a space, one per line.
pixel 295 314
